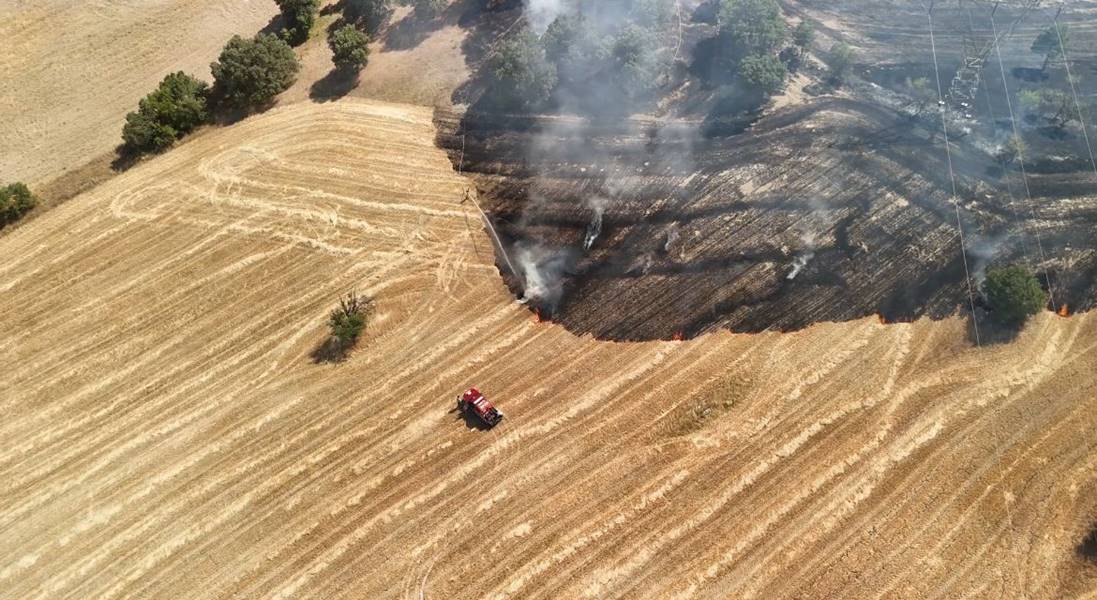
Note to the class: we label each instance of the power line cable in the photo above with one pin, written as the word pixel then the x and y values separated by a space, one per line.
pixel 952 177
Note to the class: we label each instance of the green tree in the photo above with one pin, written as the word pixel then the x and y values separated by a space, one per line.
pixel 522 75
pixel 250 73
pixel 16 200
pixel 174 109
pixel 349 49
pixel 575 48
pixel 841 58
pixel 349 320
pixel 1049 44
pixel 635 64
pixel 804 35
pixel 1014 294
pixel 372 14
pixel 763 73
pixel 1055 106
pixel 299 16
pixel 756 26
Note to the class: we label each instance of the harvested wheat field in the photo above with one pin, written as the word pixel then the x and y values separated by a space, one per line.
pixel 70 71
pixel 167 434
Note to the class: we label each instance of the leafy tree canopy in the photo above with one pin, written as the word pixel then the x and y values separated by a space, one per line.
pixel 841 58
pixel 16 200
pixel 175 108
pixel 521 72
pixel 755 25
pixel 764 73
pixel 299 16
pixel 1014 294
pixel 371 14
pixel 250 73
pixel 349 48
pixel 804 34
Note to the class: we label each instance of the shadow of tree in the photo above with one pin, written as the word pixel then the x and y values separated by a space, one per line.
pixel 409 32
pixel 125 158
pixel 1088 548
pixel 330 351
pixel 336 84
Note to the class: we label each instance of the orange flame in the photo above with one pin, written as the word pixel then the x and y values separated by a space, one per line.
pixel 678 336
pixel 1064 311
pixel 883 319
pixel 537 318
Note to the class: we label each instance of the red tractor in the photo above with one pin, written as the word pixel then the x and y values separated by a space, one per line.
pixel 475 403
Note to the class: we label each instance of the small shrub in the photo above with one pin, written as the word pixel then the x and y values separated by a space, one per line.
pixel 841 58
pixel 349 320
pixel 1014 294
pixel 349 49
pixel 15 201
pixel 299 17
pixel 804 35
pixel 174 109
pixel 250 73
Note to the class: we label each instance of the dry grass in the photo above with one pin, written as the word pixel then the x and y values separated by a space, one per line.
pixel 70 71
pixel 167 435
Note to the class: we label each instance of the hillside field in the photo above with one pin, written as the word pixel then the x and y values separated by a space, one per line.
pixel 167 433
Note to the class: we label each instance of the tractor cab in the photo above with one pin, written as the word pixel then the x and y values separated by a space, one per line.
pixel 472 401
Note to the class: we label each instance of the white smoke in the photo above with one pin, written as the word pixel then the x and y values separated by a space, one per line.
pixel 541 13
pixel 543 272
pixel 804 257
pixel 983 249
pixel 799 263
pixel 594 229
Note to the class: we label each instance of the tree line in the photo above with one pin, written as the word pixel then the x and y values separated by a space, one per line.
pixel 248 74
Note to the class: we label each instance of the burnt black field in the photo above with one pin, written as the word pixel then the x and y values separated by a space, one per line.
pixel 833 209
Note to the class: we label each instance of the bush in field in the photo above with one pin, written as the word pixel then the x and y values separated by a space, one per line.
pixel 840 59
pixel 763 73
pixel 1012 150
pixel 1014 294
pixel 804 35
pixel 15 201
pixel 173 110
pixel 349 320
pixel 349 49
pixel 250 73
pixel 1054 105
pixel 372 14
pixel 299 16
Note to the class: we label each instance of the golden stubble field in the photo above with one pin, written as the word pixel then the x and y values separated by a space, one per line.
pixel 70 70
pixel 167 435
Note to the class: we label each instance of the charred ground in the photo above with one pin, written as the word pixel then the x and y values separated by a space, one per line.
pixel 833 209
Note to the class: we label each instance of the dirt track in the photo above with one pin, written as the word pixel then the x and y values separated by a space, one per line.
pixel 167 435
